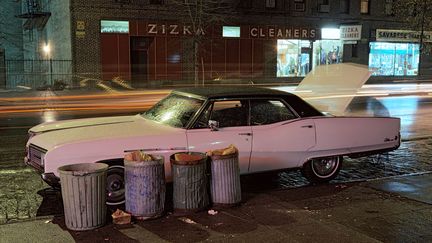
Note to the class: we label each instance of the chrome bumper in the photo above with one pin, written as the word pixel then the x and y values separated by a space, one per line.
pixel 51 179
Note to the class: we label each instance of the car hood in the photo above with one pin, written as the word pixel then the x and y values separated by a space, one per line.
pixel 76 123
pixel 125 130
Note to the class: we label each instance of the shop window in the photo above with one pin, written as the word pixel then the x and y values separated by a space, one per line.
pixel 231 31
pixel 327 52
pixel 364 6
pixel 344 6
pixel 293 58
pixel 112 26
pixel 393 59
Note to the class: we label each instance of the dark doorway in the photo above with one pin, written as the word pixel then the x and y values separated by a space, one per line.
pixel 139 60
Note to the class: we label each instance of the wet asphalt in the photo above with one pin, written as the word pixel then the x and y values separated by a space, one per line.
pixel 373 199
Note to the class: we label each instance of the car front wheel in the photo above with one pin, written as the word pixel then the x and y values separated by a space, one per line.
pixel 320 170
pixel 115 185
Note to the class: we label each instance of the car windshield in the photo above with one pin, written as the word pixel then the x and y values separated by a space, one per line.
pixel 174 110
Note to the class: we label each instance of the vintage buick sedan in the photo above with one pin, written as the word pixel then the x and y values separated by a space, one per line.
pixel 272 129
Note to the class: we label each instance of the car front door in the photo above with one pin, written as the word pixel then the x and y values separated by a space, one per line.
pixel 233 119
pixel 280 137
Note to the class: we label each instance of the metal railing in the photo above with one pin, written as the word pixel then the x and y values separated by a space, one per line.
pixel 37 73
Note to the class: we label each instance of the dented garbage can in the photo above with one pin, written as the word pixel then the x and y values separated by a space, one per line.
pixel 189 182
pixel 225 185
pixel 145 187
pixel 83 189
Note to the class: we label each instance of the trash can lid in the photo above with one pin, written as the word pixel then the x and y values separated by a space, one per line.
pixel 82 169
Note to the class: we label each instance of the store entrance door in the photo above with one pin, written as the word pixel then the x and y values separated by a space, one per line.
pixel 139 60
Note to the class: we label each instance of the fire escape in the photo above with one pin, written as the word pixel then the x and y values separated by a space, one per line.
pixel 35 17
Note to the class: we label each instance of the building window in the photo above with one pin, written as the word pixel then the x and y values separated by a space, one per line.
pixel 324 7
pixel 389 7
pixel 231 31
pixel 393 59
pixel 156 1
pixel 112 26
pixel 299 5
pixel 364 6
pixel 247 4
pixel 344 6
pixel 270 3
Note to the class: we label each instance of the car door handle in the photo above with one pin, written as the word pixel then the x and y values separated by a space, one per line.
pixel 246 134
pixel 307 126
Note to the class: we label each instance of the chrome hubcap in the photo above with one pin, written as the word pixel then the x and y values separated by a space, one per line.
pixel 325 166
pixel 115 185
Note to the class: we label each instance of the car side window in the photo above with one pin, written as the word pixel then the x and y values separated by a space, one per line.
pixel 265 111
pixel 229 113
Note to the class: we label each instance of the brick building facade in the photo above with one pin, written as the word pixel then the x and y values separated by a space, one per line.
pixel 267 41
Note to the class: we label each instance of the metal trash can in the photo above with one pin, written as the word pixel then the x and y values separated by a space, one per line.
pixel 83 189
pixel 189 184
pixel 145 187
pixel 225 185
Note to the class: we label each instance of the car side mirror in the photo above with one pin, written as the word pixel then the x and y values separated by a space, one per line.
pixel 213 125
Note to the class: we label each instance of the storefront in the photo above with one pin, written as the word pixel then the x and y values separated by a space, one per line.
pixel 396 52
pixel 297 57
pixel 142 51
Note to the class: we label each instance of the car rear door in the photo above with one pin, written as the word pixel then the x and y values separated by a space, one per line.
pixel 233 118
pixel 280 137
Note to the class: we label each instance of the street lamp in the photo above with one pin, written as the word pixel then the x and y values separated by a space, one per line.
pixel 46 49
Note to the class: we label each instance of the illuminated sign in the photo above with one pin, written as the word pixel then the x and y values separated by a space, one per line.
pixel 350 32
pixel 282 33
pixel 172 29
pixel 330 34
pixel 402 35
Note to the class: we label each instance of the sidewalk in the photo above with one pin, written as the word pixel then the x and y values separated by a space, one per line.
pixel 356 212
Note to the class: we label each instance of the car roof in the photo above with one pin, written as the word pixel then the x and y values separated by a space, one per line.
pixel 231 91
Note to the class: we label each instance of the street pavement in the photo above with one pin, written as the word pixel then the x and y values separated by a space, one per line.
pixel 373 199
pixel 347 212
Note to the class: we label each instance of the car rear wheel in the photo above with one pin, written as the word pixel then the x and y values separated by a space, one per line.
pixel 115 185
pixel 320 170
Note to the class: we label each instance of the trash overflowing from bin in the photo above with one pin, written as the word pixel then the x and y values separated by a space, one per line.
pixel 225 187
pixel 138 156
pixel 231 149
pixel 189 182
pixel 144 185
